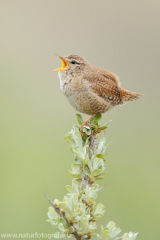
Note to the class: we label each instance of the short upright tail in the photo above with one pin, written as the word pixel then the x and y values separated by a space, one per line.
pixel 129 96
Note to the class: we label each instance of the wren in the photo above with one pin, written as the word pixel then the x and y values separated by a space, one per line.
pixel 89 89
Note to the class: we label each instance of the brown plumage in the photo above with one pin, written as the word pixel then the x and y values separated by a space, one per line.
pixel 89 89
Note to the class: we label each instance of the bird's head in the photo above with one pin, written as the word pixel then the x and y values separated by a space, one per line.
pixel 72 63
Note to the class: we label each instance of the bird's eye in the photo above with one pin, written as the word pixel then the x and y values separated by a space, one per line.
pixel 73 62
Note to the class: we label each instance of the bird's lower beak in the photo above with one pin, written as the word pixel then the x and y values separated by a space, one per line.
pixel 64 64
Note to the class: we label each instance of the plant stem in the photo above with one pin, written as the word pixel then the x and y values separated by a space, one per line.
pixel 92 145
pixel 63 216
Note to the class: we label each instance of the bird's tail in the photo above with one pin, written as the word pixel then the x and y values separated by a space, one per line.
pixel 129 96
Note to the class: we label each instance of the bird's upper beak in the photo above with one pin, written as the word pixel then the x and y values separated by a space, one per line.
pixel 64 64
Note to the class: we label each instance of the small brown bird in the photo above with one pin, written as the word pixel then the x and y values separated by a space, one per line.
pixel 89 89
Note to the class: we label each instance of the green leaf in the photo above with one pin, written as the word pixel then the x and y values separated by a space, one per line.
pixel 63 221
pixel 95 172
pixel 79 118
pixel 102 173
pixel 70 189
pixel 54 223
pixel 66 208
pixel 87 130
pixel 78 152
pixel 77 186
pixel 94 127
pixel 74 137
pixel 99 208
pixel 61 227
pixel 98 215
pixel 115 232
pixel 98 177
pixel 77 136
pixel 81 209
pixel 85 151
pixel 56 202
pixel 74 200
pixel 90 191
pixel 69 138
pixel 126 237
pixel 129 236
pixel 111 227
pixel 96 119
pixel 71 229
pixel 100 155
pixel 91 199
pixel 86 171
pixel 84 224
pixel 88 163
pixel 102 128
pixel 101 146
pixel 92 230
pixel 97 163
pixel 77 160
pixel 75 171
pixel 105 235
pixel 52 213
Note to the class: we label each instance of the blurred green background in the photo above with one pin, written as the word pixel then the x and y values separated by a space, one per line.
pixel 122 36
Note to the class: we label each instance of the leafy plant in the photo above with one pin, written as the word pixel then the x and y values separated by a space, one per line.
pixel 77 214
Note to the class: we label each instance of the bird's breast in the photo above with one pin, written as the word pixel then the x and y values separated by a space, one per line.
pixel 65 80
pixel 73 88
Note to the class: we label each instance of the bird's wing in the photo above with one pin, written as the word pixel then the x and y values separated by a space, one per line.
pixel 104 87
pixel 106 73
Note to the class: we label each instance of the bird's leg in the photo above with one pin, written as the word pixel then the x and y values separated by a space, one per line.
pixel 86 123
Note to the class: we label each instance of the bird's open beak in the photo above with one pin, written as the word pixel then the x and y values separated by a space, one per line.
pixel 64 64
